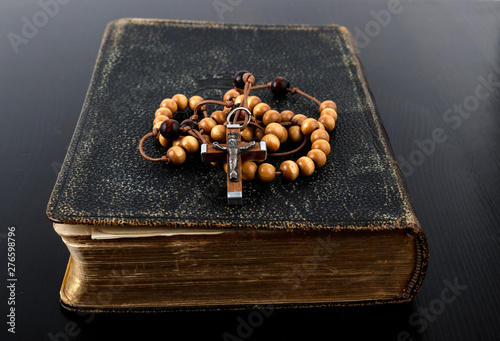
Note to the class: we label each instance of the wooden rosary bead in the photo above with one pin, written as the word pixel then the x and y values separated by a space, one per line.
pixel 193 102
pixel 189 123
pixel 190 144
pixel 177 141
pixel 247 134
pixel 318 156
pixel 319 134
pixel 266 172
pixel 160 118
pixel 224 166
pixel 299 119
pixel 322 145
pixel 238 100
pixel 272 142
pixel 238 79
pixel 329 112
pixel 327 104
pixel 253 101
pixel 306 165
pixel 164 112
pixel 279 86
pixel 289 170
pixel 163 141
pixel 207 124
pixel 328 122
pixel 157 126
pixel 181 101
pixel 308 126
pixel 169 104
pixel 248 170
pixel 271 116
pixel 287 116
pixel 278 130
pixel 170 129
pixel 294 134
pixel 219 116
pixel 285 135
pixel 218 133
pixel 259 134
pixel 230 95
pixel 177 155
pixel 260 109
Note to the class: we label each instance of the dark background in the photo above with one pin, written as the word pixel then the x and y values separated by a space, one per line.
pixel 433 67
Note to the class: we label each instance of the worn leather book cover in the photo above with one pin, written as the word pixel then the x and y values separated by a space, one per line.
pixel 348 234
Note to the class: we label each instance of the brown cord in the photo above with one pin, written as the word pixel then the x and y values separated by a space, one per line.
pixel 291 151
pixel 164 158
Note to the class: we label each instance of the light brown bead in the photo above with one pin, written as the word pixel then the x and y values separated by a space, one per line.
pixel 169 104
pixel 177 155
pixel 328 122
pixel 177 141
pixel 164 112
pixel 329 112
pixel 231 94
pixel 207 124
pixel 308 126
pixel 239 100
pixel 328 104
pixel 298 119
pixel 181 101
pixel 253 101
pixel 260 109
pixel 219 116
pixel 294 134
pixel 163 141
pixel 322 145
pixel 319 134
pixel 271 116
pixel 285 136
pixel 248 170
pixel 318 156
pixel 306 165
pixel 278 130
pixel 289 170
pixel 193 102
pixel 259 134
pixel 224 165
pixel 287 116
pixel 227 110
pixel 157 126
pixel 190 144
pixel 266 172
pixel 247 134
pixel 218 133
pixel 160 118
pixel 272 142
pixel 321 126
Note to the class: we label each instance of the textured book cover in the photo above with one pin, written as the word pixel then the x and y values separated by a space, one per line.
pixel 105 181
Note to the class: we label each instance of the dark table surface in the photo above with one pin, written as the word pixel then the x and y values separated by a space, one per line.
pixel 434 69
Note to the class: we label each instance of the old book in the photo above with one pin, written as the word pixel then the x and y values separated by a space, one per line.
pixel 153 237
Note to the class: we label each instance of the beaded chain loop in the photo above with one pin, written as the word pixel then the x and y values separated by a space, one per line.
pixel 258 123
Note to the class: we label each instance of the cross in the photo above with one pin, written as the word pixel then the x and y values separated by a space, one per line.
pixel 234 154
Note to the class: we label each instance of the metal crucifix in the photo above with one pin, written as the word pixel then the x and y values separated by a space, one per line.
pixel 234 154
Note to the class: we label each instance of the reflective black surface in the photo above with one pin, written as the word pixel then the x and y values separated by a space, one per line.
pixel 434 70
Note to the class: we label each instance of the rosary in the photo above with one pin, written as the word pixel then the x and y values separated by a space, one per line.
pixel 220 135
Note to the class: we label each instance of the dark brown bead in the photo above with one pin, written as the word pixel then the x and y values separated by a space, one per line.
pixel 238 79
pixel 189 123
pixel 170 129
pixel 279 86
